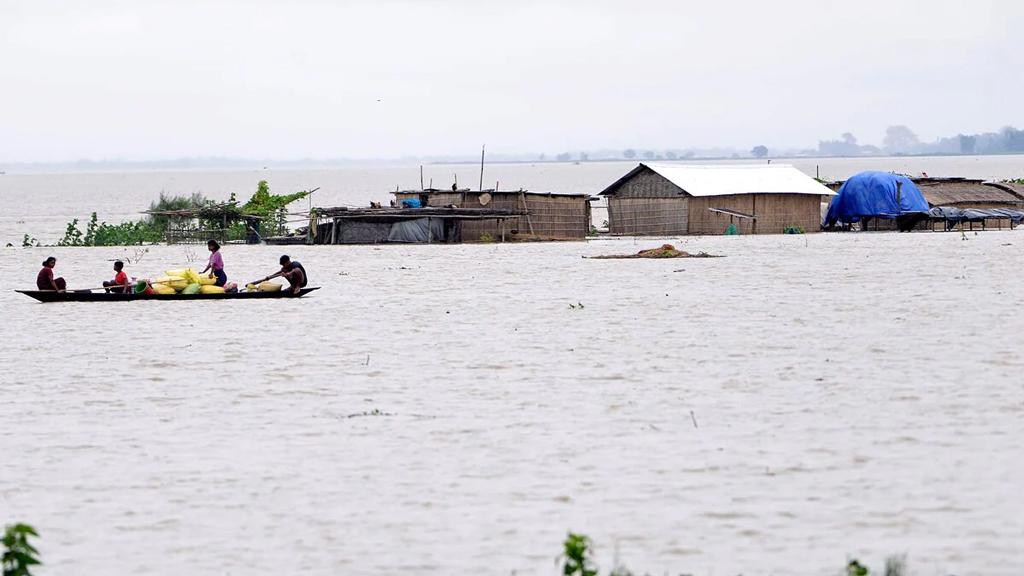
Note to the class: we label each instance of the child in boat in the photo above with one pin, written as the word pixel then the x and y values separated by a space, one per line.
pixel 120 282
pixel 216 264
pixel 45 279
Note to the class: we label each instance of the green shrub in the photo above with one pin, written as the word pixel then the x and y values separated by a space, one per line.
pixel 18 553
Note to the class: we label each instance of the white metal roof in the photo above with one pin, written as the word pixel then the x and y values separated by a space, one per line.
pixel 723 179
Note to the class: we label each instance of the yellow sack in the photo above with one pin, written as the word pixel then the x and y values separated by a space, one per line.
pixel 269 287
pixel 251 287
pixel 162 289
pixel 209 289
pixel 205 280
pixel 180 272
pixel 191 276
pixel 172 282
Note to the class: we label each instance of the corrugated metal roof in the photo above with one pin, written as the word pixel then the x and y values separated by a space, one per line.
pixel 724 179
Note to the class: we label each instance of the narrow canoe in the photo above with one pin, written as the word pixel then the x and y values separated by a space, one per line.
pixel 48 296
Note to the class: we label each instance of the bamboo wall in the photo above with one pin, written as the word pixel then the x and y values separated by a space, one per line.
pixel 774 213
pixel 551 216
pixel 647 215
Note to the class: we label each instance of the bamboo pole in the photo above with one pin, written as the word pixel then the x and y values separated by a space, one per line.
pixel 482 149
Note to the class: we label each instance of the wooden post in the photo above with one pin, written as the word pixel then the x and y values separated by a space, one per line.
pixel 421 177
pixel 430 231
pixel 526 208
pixel 334 230
pixel 482 148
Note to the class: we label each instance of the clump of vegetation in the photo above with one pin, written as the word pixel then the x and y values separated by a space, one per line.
pixel 18 553
pixel 576 556
pixel 487 238
pixel 793 230
pixel 103 234
pixel 1015 181
pixel 271 207
pixel 29 242
pixel 664 251
pixel 268 209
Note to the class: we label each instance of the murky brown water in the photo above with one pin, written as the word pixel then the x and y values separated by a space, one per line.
pixel 853 395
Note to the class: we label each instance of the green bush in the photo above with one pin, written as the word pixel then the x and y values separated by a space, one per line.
pixel 18 553
pixel 103 234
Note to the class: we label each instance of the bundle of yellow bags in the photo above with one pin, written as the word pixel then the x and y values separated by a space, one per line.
pixel 186 281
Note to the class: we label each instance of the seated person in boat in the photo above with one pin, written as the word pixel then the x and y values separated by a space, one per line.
pixel 120 282
pixel 45 279
pixel 293 272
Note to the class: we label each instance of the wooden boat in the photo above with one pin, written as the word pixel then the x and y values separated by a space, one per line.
pixel 85 296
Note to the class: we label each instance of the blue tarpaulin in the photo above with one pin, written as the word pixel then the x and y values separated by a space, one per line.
pixel 874 195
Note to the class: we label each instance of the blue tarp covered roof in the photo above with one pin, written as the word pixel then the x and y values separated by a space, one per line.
pixel 874 195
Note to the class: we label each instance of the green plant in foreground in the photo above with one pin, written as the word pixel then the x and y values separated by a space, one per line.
pixel 18 553
pixel 576 553
pixel 855 568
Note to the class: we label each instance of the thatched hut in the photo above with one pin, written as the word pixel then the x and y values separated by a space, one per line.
pixel 968 193
pixel 962 204
pixel 548 215
pixel 691 199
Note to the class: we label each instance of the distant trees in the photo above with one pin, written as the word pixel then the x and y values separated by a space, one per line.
pixel 648 154
pixel 900 140
pixel 564 157
pixel 759 151
pixel 629 153
pixel 846 146
pixel 584 156
pixel 670 155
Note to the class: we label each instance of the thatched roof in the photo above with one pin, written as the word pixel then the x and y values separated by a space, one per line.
pixel 1011 187
pixel 347 213
pixel 963 191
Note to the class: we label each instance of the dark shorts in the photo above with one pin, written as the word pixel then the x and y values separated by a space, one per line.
pixel 222 277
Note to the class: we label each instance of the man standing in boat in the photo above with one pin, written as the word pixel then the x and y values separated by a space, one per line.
pixel 293 272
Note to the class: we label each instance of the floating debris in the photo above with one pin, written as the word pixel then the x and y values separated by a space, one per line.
pixel 665 251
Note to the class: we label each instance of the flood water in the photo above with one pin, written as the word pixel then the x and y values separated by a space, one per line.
pixel 458 409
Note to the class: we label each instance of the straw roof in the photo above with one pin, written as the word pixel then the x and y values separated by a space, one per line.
pixel 953 191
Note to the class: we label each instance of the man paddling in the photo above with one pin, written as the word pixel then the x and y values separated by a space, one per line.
pixel 293 272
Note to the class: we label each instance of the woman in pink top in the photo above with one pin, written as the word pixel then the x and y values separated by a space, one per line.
pixel 216 264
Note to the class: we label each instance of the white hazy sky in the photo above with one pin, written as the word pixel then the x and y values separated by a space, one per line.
pixel 164 79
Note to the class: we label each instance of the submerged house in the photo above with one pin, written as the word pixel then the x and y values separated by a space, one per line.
pixel 692 199
pixel 971 204
pixel 543 215
pixel 926 203
pixel 380 225
pixel 878 200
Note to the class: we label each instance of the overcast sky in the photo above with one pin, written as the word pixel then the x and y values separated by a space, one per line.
pixel 151 80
